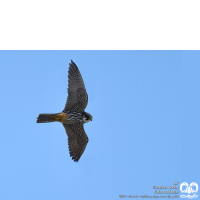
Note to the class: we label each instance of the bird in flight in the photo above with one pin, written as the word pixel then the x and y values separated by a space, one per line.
pixel 73 116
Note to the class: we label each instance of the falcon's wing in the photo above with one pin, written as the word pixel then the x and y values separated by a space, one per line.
pixel 77 140
pixel 77 96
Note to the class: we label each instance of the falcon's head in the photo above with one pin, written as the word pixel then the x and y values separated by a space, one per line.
pixel 86 117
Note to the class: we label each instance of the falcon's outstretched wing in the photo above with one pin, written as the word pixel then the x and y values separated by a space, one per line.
pixel 77 96
pixel 77 140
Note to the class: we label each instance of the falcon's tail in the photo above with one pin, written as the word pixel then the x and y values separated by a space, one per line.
pixel 43 118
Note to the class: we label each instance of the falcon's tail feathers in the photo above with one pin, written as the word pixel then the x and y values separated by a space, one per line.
pixel 44 118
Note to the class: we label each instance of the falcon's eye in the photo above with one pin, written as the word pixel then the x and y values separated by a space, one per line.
pixel 88 117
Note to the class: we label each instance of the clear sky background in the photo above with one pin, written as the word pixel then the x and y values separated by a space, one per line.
pixel 144 133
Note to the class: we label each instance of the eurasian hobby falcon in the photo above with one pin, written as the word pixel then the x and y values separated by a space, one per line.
pixel 73 116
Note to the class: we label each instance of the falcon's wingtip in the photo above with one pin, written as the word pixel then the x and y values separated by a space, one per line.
pixel 72 62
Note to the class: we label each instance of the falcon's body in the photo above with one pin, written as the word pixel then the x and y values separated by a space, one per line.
pixel 73 116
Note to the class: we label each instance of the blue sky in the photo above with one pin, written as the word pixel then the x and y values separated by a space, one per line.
pixel 145 128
